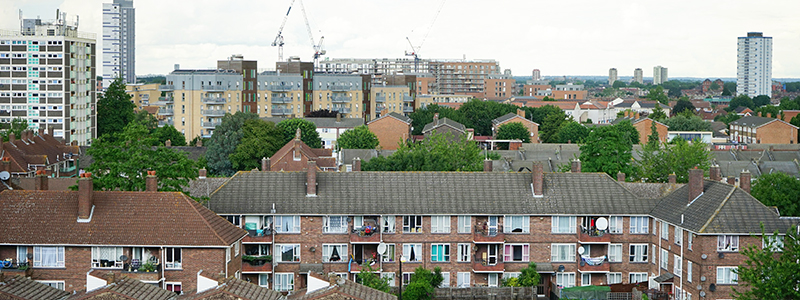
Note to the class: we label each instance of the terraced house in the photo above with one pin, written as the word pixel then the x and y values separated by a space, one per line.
pixel 579 228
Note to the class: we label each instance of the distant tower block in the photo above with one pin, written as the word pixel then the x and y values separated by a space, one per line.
pixel 537 75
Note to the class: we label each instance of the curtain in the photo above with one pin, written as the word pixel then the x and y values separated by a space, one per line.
pixel 49 256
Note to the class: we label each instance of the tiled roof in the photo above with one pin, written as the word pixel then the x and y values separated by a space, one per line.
pixel 128 289
pixel 119 218
pixel 322 157
pixel 346 288
pixel 325 122
pixel 235 288
pixel 753 121
pixel 509 116
pixel 444 122
pixel 42 149
pixel 19 287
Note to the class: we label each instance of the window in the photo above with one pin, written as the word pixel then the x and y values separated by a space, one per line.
pixel 727 275
pixel 463 280
pixel 284 281
pixel 689 270
pixel 727 243
pixel 677 266
pixel 287 224
pixel 389 255
pixel 565 280
pixel 263 280
pixel 235 220
pixel 440 224
pixel 53 283
pixel 463 252
pixel 412 224
pixel 173 258
pixel 516 224
pixel 678 235
pixel 334 252
pixel 517 252
pixel 637 277
pixel 564 224
pixel 412 252
pixel 654 254
pixel 639 225
pixel 586 279
pixel 106 257
pixel 615 225
pixel 387 224
pixel 614 278
pixel 562 253
pixel 492 280
pixel 774 243
pixel 22 254
pixel 664 231
pixel 615 253
pixel 638 253
pixel 288 252
pixel 334 224
pixel 390 277
pixel 173 287
pixel 406 278
pixel 446 280
pixel 440 252
pixel 664 259
pixel 228 254
pixel 48 257
pixel 689 240
pixel 236 249
pixel 464 224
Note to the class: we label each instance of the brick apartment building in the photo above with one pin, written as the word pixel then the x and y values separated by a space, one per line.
pixel 761 130
pixel 482 227
pixel 644 127
pixel 64 235
pixel 519 117
pixel 391 130
pixel 25 154
pixel 295 155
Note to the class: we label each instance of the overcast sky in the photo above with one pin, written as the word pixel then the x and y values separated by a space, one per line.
pixel 691 38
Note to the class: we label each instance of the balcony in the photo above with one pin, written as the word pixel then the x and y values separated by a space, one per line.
pixel 213 112
pixel 165 123
pixel 258 236
pixel 165 100
pixel 280 99
pixel 593 264
pixel 166 88
pixel 256 264
pixel 380 98
pixel 340 99
pixel 214 100
pixel 407 98
pixel 340 87
pixel 280 88
pixel 487 266
pixel 281 111
pixel 165 112
pixel 210 124
pixel 214 88
pixel 488 235
pixel 364 235
pixel 408 109
pixel 380 107
pixel 143 276
pixel 343 110
pixel 593 236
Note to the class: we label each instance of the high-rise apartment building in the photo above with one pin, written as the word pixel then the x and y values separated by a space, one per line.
pixel 119 42
pixel 537 75
pixel 660 75
pixel 638 76
pixel 754 65
pixel 612 76
pixel 47 77
pixel 196 100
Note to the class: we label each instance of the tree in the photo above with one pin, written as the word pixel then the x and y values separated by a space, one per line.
pixel 358 138
pixel 618 84
pixel 761 100
pixel 741 100
pixel 683 123
pixel 658 113
pixel 370 279
pixel 714 86
pixel 223 142
pixel 607 149
pixel 538 114
pixel 683 105
pixel 168 132
pixel 653 140
pixel 308 131
pixel 727 118
pixel 571 132
pixel 657 94
pixel 422 283
pixel 796 122
pixel 114 109
pixel 772 271
pixel 729 87
pixel 149 121
pixel 17 126
pixel 769 111
pixel 479 114
pixel 780 190
pixel 514 131
pixel 260 139
pixel 657 163
pixel 322 113
pixel 528 277
pixel 121 162
pixel 424 116
pixel 789 104
pixel 627 130
pixel 550 126
pixel 435 153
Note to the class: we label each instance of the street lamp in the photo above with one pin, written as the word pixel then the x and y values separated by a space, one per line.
pixel 402 260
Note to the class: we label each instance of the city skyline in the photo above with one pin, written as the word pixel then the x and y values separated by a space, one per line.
pixel 700 40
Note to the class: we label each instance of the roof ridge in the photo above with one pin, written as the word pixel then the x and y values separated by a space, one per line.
pixel 224 183
pixel 194 206
pixel 716 212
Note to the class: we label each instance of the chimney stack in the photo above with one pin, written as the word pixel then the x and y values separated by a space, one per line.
pixel 151 182
pixel 6 164
pixel 435 118
pixel 714 173
pixel 12 137
pixel 695 183
pixel 199 142
pixel 731 180
pixel 50 131
pixel 85 190
pixel 41 131
pixel 265 164
pixel 744 181
pixel 620 177
pixel 338 117
pixel 357 165
pixel 311 179
pixel 521 113
pixel 201 174
pixel 168 143
pixel 575 166
pixel 672 179
pixel 538 179
pixel 487 165
pixel 41 181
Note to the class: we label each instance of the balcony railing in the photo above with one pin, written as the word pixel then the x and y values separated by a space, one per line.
pixel 213 112
pixel 214 100
pixel 380 107
pixel 281 111
pixel 481 265
pixel 380 98
pixel 280 88
pixel 340 99
pixel 365 234
pixel 258 236
pixel 340 87
pixel 214 88
pixel 343 110
pixel 257 265
pixel 165 123
pixel 587 235
pixel 210 124
pixel 484 234
pixel 407 98
pixel 408 109
pixel 594 264
pixel 165 112
pixel 165 100
pixel 166 87
pixel 279 99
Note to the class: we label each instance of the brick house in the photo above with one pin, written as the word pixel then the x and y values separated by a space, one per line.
pixel 481 227
pixel 644 127
pixel 760 130
pixel 63 235
pixel 28 153
pixel 451 129
pixel 391 129
pixel 295 155
pixel 519 117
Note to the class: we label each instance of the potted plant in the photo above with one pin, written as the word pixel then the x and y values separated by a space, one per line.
pixel 256 260
pixel 147 267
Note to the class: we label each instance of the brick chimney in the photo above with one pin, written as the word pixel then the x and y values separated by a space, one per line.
pixel 199 142
pixel 575 166
pixel 265 164
pixel 521 113
pixel 487 165
pixel 201 174
pixel 435 118
pixel 151 182
pixel 12 137
pixel 85 190
pixel 50 131
pixel 714 173
pixel 744 181
pixel 731 180
pixel 620 177
pixel 695 183
pixel 41 131
pixel 41 181
pixel 338 117
pixel 168 143
pixel 672 179
pixel 357 165
pixel 311 179
pixel 537 173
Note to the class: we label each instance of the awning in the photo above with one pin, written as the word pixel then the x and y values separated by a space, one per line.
pixel 664 277
pixel 309 268
pixel 544 267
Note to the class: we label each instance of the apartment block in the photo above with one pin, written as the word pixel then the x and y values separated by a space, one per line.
pixel 248 70
pixel 660 75
pixel 196 100
pixel 761 130
pixel 47 77
pixel 754 65
pixel 460 77
pixel 142 94
pixel 569 92
pixel 612 76
pixel 119 42
pixel 339 93
pixel 638 76
pixel 499 88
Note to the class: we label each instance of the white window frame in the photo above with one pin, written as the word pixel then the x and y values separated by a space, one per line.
pixel 678 235
pixel 173 284
pixel 639 225
pixel 444 256
pixel 570 252
pixel 565 279
pixel 664 231
pixel 615 253
pixel 412 224
pixel 637 276
pixel 586 279
pixel 59 284
pixel 280 227
pixel 387 224
pixel 263 280
pixel 632 253
pixel 284 282
pixel 236 249
pixel 615 225
pixel 464 224
pixel 22 254
pixel 464 252
pixel 327 251
pixel 406 278
pixel 689 240
pixel 727 243
pixel 174 264
pixel 614 278
pixel 508 252
pixel 446 280
pixel 655 254
pixel 508 222
pixel 727 275
pixel 334 224
pixel 390 253
pixel 773 243
pixel 280 248
pixel 228 254
pixel 463 280
pixel 37 257
pixel 492 280
pixel 417 252
pixel 555 226
pixel 389 277
pixel 664 259
pixel 689 271
pixel 96 257
pixel 440 224
pixel 677 266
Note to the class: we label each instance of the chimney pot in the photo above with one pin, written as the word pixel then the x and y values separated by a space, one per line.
pixel 487 165
pixel 357 165
pixel 620 177
pixel 695 183
pixel 41 131
pixel 538 179
pixel 714 173
pixel 338 117
pixel 199 142
pixel 151 182
pixel 575 166
pixel 85 191
pixel 744 181
pixel 50 130
pixel 201 174
pixel 168 143
pixel 672 179
pixel 265 164
pixel 41 181
pixel 12 137
pixel 311 179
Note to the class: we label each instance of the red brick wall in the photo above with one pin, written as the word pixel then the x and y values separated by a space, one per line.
pixel 569 95
pixel 776 133
pixel 390 132
pixel 532 128
pixel 530 90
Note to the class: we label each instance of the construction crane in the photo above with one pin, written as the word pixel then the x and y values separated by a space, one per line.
pixel 415 50
pixel 318 51
pixel 279 38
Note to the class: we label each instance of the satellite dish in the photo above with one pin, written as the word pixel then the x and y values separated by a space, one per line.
pixel 703 256
pixel 699 287
pixel 123 258
pixel 721 255
pixel 581 250
pixel 712 287
pixel 561 268
pixel 382 248
pixel 5 175
pixel 602 223
pixel 702 294
pixel 702 278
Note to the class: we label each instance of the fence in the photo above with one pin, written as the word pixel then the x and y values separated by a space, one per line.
pixel 488 293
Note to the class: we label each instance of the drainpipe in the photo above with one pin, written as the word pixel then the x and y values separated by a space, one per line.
pixel 161 266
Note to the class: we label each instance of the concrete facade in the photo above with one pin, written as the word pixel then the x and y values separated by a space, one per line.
pixel 119 42
pixel 754 65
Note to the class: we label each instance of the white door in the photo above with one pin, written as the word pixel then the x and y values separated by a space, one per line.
pixel 492 226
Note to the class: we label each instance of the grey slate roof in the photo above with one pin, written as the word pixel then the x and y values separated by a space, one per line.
pixel 233 288
pixel 129 288
pixel 396 116
pixel 444 122
pixel 507 117
pixel 753 121
pixel 325 122
pixel 20 287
